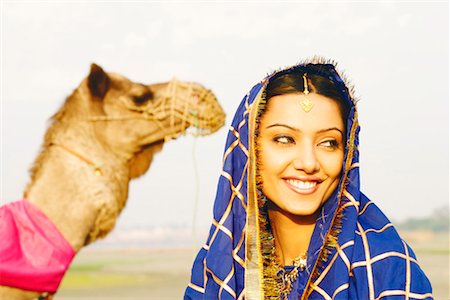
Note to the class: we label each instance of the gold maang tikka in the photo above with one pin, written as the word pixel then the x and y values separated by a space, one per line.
pixel 307 104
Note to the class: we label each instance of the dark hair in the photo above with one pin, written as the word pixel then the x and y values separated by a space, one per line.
pixel 291 82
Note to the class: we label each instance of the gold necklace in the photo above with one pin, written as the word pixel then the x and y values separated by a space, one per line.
pixel 285 280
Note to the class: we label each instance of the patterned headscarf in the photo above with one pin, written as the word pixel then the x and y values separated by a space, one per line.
pixel 354 252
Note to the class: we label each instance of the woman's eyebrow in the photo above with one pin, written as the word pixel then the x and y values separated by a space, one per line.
pixel 296 129
pixel 283 125
pixel 330 129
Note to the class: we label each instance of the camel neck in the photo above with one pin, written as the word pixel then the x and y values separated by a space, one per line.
pixel 81 203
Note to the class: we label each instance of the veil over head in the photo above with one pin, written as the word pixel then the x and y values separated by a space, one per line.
pixel 354 252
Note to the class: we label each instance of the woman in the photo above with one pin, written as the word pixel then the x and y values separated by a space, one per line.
pixel 290 221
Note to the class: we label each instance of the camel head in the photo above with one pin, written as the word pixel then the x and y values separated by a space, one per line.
pixel 134 120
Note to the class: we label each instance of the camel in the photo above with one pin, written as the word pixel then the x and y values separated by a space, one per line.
pixel 105 134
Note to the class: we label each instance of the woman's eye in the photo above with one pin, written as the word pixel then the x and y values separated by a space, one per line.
pixel 284 139
pixel 330 144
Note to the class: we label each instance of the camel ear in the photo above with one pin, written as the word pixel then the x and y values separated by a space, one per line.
pixel 98 82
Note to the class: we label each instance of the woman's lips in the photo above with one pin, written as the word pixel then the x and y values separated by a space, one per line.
pixel 304 187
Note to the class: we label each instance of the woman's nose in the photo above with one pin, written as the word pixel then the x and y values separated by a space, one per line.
pixel 306 160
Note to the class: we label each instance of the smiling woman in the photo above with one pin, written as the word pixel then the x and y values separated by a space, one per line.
pixel 290 221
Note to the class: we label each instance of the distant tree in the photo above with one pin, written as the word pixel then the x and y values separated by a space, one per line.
pixel 438 221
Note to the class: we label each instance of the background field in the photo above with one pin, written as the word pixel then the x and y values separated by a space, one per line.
pixel 163 273
pixel 128 274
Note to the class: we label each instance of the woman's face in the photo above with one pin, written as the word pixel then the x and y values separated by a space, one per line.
pixel 301 153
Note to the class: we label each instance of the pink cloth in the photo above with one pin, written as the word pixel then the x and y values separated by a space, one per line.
pixel 33 254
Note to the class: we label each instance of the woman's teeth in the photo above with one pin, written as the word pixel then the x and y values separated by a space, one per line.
pixel 302 184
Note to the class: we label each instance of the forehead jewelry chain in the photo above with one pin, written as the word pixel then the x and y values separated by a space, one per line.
pixel 307 105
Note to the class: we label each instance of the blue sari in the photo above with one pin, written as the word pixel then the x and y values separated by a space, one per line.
pixel 354 252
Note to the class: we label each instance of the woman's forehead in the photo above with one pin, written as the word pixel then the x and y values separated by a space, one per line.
pixel 287 109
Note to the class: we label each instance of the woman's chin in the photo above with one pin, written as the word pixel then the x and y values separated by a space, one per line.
pixel 303 211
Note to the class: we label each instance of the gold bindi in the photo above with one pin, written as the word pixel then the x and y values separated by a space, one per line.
pixel 307 105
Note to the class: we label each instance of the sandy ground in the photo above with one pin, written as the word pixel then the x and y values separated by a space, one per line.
pixel 163 274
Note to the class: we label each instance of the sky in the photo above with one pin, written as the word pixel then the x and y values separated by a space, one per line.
pixel 395 53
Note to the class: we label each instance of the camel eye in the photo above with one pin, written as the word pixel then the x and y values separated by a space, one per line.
pixel 142 99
